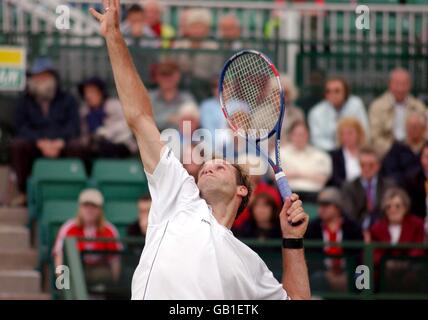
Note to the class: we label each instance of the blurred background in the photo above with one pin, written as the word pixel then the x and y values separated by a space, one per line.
pixel 73 191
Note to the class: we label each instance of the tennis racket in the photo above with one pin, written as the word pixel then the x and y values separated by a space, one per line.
pixel 252 100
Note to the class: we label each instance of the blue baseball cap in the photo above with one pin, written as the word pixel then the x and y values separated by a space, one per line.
pixel 42 64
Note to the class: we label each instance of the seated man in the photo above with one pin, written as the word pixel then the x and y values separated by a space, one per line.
pixel 46 120
pixel 190 252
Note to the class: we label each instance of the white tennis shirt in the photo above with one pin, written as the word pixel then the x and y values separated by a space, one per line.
pixel 188 254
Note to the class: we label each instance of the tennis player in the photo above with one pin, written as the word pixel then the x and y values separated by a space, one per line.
pixel 190 252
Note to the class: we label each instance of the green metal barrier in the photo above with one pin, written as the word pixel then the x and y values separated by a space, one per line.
pixel 270 252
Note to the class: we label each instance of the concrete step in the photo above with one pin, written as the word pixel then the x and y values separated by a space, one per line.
pixel 14 238
pixel 20 282
pixel 18 259
pixel 13 216
pixel 25 296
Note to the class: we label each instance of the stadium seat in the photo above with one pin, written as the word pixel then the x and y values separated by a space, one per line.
pixel 55 213
pixel 119 180
pixel 121 214
pixel 54 179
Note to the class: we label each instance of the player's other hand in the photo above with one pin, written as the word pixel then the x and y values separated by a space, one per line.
pixel 293 218
pixel 109 20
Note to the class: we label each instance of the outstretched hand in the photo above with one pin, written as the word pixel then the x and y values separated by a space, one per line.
pixel 294 220
pixel 109 20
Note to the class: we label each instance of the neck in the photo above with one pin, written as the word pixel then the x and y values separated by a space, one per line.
pixel 169 94
pixel 224 212
pixel 334 223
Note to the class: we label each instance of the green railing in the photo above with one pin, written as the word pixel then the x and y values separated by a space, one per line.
pixel 364 63
pixel 356 253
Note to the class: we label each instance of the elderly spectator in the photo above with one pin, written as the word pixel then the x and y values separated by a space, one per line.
pixel 153 18
pixel 263 222
pixel 90 223
pixel 195 64
pixel 416 184
pixel 388 112
pixel 167 99
pixel 403 157
pixel 397 226
pixel 293 113
pixel 308 168
pixel 46 120
pixel 332 226
pixel 104 131
pixel 363 194
pixel 139 227
pixel 338 103
pixel 230 31
pixel 346 166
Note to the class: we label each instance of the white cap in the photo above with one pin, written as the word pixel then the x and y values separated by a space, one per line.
pixel 92 196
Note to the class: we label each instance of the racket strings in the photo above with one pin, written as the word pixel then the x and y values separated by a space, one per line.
pixel 251 95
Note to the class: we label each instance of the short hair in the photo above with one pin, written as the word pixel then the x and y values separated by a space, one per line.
pixel 343 81
pixel 198 15
pixel 369 150
pixel 392 193
pixel 135 8
pixel 242 179
pixel 417 114
pixel 354 123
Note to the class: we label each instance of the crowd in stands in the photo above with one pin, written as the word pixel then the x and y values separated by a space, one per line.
pixel 366 167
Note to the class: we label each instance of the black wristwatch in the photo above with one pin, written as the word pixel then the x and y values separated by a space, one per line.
pixel 291 243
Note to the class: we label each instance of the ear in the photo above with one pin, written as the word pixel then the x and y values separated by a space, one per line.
pixel 241 191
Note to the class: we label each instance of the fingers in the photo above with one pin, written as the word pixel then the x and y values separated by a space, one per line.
pixel 106 4
pixel 294 197
pixel 298 216
pixel 116 4
pixel 95 14
pixel 287 205
pixel 294 206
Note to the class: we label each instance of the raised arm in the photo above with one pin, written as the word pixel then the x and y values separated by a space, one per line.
pixel 133 94
pixel 295 273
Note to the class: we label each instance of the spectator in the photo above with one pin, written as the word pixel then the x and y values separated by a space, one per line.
pixel 230 31
pixel 403 157
pixel 397 226
pixel 198 64
pixel 104 131
pixel 139 227
pixel 212 118
pixel 363 194
pixel 338 103
pixel 346 166
pixel 416 184
pixel 257 170
pixel 153 19
pixel 46 120
pixel 388 112
pixel 90 223
pixel 135 24
pixel 263 222
pixel 332 226
pixel 308 168
pixel 293 113
pixel 167 99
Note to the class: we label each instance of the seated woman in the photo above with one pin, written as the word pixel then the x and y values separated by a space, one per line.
pixel 346 166
pixel 90 223
pixel 307 167
pixel 263 219
pixel 397 226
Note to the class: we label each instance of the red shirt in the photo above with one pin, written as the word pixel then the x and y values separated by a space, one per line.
pixel 70 229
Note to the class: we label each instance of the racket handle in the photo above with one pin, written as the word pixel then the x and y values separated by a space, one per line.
pixel 283 186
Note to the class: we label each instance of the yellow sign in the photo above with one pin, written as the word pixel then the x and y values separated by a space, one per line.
pixel 12 68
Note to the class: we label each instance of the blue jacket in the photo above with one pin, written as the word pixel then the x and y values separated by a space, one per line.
pixel 62 121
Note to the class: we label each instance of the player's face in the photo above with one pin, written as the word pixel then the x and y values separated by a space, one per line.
pixel 217 176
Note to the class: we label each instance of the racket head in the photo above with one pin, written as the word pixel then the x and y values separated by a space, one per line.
pixel 251 95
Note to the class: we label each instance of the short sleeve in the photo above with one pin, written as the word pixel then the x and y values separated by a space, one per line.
pixel 267 287
pixel 171 188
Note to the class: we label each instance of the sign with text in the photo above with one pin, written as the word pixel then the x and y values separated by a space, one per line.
pixel 12 68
